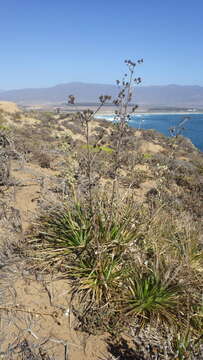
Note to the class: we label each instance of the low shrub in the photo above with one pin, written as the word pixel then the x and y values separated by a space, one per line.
pixel 42 158
pixel 4 168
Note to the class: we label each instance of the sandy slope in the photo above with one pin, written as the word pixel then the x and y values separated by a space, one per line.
pixel 9 107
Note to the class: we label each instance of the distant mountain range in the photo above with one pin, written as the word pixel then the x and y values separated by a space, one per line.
pixel 169 95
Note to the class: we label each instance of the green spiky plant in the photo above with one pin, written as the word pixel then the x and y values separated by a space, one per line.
pixel 68 232
pixel 150 299
pixel 97 277
pixel 61 234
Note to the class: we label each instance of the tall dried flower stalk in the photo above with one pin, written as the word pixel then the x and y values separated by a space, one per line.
pixel 86 117
pixel 123 113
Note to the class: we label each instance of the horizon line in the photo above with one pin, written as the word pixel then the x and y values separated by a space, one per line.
pixel 97 83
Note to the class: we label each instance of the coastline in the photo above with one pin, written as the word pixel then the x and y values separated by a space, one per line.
pixel 163 121
pixel 108 113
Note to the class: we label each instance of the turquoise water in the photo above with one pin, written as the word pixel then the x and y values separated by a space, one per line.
pixel 192 128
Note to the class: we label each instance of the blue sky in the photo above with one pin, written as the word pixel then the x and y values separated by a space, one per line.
pixel 47 42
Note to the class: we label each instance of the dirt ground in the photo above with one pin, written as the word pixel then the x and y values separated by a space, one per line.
pixel 39 309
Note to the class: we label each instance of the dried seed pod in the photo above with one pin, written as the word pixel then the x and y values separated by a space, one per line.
pixel 71 99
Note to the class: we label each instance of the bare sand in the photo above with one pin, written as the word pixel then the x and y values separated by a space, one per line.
pixel 9 107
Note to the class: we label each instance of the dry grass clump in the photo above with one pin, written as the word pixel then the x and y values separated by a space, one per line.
pixel 179 347
pixel 22 350
pixel 42 158
pixel 73 126
pixel 4 168
pixel 4 158
pixel 140 269
pixel 2 117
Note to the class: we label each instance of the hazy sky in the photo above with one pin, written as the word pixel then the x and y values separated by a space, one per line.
pixel 46 42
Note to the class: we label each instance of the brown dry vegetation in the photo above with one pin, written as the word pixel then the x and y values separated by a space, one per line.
pixel 75 285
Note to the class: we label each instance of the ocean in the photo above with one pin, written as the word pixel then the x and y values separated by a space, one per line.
pixel 192 127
